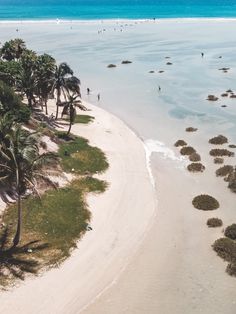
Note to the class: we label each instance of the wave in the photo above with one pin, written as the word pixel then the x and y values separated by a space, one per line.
pixel 154 146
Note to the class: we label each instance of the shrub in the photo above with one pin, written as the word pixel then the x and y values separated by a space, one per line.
pixel 224 171
pixel 221 152
pixel 43 145
pixel 187 150
pixel 218 160
pixel 231 269
pixel 232 146
pixel 180 143
pixel 220 139
pixel 226 249
pixel 191 129
pixel 205 202
pixel 196 167
pixel 22 114
pixel 214 222
pixel 230 232
pixel 195 157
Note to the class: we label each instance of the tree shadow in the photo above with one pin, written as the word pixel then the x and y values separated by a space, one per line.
pixel 16 262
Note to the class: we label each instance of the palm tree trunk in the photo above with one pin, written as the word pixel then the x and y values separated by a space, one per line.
pixel 16 239
pixel 57 103
pixel 46 106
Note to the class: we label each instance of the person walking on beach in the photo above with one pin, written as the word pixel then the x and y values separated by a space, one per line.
pixel 98 97
pixel 88 91
pixel 159 88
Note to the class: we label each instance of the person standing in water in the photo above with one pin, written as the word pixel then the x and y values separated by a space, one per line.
pixel 98 97
pixel 202 54
pixel 88 91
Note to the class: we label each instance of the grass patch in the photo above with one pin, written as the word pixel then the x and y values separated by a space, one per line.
pixel 218 140
pixel 51 228
pixel 187 150
pixel 83 118
pixel 221 152
pixel 205 202
pixel 224 171
pixel 230 232
pixel 180 143
pixel 214 222
pixel 81 158
pixel 194 157
pixel 196 167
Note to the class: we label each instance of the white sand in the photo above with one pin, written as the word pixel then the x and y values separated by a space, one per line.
pixel 120 218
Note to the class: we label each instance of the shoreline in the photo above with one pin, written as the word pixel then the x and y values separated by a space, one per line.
pixel 78 21
pixel 119 224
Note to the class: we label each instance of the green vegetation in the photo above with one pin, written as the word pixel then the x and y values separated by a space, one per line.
pixel 230 232
pixel 214 222
pixel 77 156
pixel 221 152
pixel 205 202
pixel 83 118
pixel 180 143
pixel 196 167
pixel 218 140
pixel 187 150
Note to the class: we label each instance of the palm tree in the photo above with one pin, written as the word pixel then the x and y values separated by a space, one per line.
pixel 69 107
pixel 46 66
pixel 21 164
pixel 13 49
pixel 26 81
pixel 64 83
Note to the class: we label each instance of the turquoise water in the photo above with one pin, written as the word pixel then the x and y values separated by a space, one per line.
pixel 108 9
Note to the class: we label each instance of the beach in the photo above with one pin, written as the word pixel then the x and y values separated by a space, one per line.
pixel 150 249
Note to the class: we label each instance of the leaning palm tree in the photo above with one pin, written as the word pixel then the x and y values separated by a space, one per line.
pixel 21 166
pixel 69 108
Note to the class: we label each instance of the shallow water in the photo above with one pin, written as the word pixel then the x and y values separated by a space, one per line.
pixel 130 91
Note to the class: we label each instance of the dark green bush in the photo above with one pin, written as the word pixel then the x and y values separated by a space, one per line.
pixel 218 160
pixel 231 269
pixel 230 232
pixel 205 202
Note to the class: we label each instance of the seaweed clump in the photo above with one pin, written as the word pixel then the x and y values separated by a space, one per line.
pixel 226 249
pixel 191 129
pixel 180 143
pixel 230 232
pixel 205 202
pixel 218 160
pixel 232 145
pixel 214 222
pixel 194 157
pixel 187 150
pixel 221 152
pixel 212 98
pixel 224 171
pixel 126 62
pixel 220 139
pixel 196 167
pixel 111 65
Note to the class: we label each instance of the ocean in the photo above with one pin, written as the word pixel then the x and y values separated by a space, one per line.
pixel 110 9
